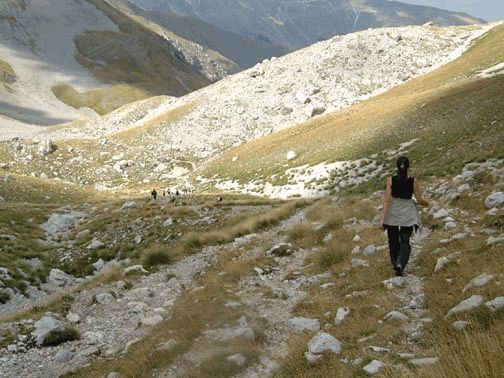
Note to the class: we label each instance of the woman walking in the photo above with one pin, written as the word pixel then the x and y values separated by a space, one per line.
pixel 400 215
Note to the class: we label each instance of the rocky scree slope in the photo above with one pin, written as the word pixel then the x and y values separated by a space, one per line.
pixel 272 96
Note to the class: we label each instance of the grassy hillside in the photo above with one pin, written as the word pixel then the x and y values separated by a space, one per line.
pixel 456 116
pixel 102 101
pixel 135 56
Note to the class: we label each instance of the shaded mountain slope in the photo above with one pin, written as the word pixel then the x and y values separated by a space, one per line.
pixel 297 24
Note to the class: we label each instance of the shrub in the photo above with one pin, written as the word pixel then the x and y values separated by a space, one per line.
pixel 156 255
pixel 4 297
pixel 56 338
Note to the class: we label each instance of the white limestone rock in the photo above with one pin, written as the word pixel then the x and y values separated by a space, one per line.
pixel 495 199
pixel 151 321
pixel 460 325
pixel 59 278
pixel 46 147
pixel 72 317
pixel 495 304
pixel 395 315
pixel 99 265
pixel 391 283
pixel 467 305
pixel 46 326
pixel 373 367
pixel 168 222
pixel 104 298
pixel 95 244
pixel 323 342
pixel 341 315
pixel 359 263
pixel 304 324
pixel 441 213
pixel 82 235
pixel 370 250
pixel 495 240
pixel 129 205
pixel 311 358
pixel 135 268
pixel 479 281
pixel 291 155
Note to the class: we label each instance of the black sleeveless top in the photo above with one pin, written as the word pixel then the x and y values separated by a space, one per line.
pixel 402 188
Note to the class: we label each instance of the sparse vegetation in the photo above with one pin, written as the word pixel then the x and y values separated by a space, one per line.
pixel 102 101
pixel 7 75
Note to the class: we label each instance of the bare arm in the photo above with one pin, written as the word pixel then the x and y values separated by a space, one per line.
pixel 418 194
pixel 387 198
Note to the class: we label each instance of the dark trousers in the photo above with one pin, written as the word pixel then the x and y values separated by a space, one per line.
pixel 399 244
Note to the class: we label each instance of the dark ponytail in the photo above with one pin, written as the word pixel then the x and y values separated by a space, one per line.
pixel 402 167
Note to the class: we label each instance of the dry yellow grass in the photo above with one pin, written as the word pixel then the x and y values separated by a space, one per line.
pixel 102 101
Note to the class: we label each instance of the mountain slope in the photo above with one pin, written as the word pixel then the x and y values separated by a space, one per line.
pixel 242 50
pixel 78 51
pixel 296 24
pixel 454 115
pixel 165 139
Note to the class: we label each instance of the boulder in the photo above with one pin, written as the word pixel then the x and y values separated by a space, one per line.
pixel 168 222
pixel 359 263
pixel 495 240
pixel 460 325
pixel 45 327
pixel 63 355
pixel 134 268
pixel 46 147
pixel 304 324
pixel 95 244
pixel 130 205
pixel 152 320
pixel 280 250
pixel 104 298
pixel 496 304
pixel 394 282
pixel 312 358
pixel 467 305
pixel 341 315
pixel 373 367
pixel 291 155
pixel 316 110
pixel 73 317
pixel 370 250
pixel 99 265
pixel 395 315
pixel 479 281
pixel 442 213
pixel 323 342
pixel 82 235
pixel 59 278
pixel 495 199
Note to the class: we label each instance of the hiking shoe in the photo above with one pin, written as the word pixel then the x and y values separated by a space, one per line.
pixel 398 269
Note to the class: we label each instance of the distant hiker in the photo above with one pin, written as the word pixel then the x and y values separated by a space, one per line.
pixel 400 215
pixel 177 193
pixel 154 194
pixel 164 193
pixel 219 199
